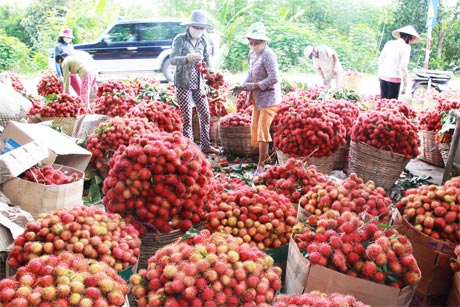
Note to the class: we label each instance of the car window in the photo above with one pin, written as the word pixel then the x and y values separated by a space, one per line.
pixel 159 31
pixel 122 33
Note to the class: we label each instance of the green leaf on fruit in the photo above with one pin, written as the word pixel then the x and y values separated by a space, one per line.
pixel 192 232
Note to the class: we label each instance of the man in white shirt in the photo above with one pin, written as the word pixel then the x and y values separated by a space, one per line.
pixel 327 63
pixel 393 62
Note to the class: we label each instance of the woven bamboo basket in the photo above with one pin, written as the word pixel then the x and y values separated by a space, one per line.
pixel 65 124
pixel 151 242
pixel 342 158
pixel 323 164
pixel 381 166
pixel 236 141
pixel 214 129
pixel 444 150
pixel 429 150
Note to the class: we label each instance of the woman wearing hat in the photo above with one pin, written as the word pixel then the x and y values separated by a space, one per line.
pixel 393 62
pixel 64 47
pixel 263 90
pixel 188 49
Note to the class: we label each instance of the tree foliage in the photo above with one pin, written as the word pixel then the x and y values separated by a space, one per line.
pixel 356 29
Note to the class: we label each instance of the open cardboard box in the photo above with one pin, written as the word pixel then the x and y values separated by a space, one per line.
pixel 12 223
pixel 62 149
pixel 303 277
pixel 38 198
pixel 433 258
pixel 16 161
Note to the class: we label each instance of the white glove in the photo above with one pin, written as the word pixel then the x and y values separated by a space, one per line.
pixel 194 57
pixel 61 80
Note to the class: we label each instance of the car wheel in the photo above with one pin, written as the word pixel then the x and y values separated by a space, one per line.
pixel 168 70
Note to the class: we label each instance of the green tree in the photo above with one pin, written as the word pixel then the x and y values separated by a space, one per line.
pixel 14 55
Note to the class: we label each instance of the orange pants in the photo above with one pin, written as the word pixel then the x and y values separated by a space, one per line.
pixel 260 124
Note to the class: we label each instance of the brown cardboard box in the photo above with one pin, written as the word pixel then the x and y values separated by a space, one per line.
pixel 38 198
pixel 433 258
pixel 12 223
pixel 454 295
pixel 62 149
pixel 16 161
pixel 303 277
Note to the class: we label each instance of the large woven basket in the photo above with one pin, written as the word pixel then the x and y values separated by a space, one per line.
pixel 236 141
pixel 65 124
pixel 151 242
pixel 429 150
pixel 444 150
pixel 381 166
pixel 214 128
pixel 342 158
pixel 323 165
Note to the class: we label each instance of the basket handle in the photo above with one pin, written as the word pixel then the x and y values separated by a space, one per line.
pixel 391 149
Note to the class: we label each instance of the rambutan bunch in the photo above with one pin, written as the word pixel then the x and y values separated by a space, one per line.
pixel 355 246
pixel 64 280
pixel 292 179
pixel 259 216
pixel 207 270
pixel 434 210
pixel 317 298
pixel 352 194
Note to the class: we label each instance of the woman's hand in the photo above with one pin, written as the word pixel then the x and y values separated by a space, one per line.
pixel 194 57
pixel 249 86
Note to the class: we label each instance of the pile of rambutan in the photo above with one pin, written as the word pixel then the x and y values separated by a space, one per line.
pixel 316 298
pixel 207 270
pixel 357 246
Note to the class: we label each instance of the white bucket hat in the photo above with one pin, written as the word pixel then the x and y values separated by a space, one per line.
pixel 198 18
pixel 408 30
pixel 257 31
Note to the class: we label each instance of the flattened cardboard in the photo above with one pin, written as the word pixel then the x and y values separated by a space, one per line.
pixel 9 231
pixel 38 198
pixel 303 277
pixel 62 149
pixel 16 161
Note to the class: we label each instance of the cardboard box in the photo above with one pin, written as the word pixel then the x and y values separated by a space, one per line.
pixel 433 258
pixel 303 277
pixel 62 149
pixel 454 295
pixel 9 231
pixel 16 161
pixel 39 198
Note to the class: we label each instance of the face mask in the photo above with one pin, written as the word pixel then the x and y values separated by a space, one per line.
pixel 257 48
pixel 67 40
pixel 195 33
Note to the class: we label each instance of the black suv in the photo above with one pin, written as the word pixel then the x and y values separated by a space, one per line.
pixel 138 45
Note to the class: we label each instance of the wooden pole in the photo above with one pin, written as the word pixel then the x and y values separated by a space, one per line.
pixel 453 148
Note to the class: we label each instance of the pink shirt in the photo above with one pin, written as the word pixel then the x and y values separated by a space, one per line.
pixel 263 70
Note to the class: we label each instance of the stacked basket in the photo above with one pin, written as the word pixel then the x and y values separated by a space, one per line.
pixel 430 151
pixel 236 141
pixel 370 163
